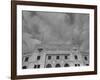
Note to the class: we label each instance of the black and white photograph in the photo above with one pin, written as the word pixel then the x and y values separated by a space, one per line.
pixel 54 39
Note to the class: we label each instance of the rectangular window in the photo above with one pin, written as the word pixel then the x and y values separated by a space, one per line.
pixel 85 58
pixel 35 66
pixel 26 59
pixel 76 57
pixel 49 57
pixel 38 66
pixel 38 57
pixel 66 57
pixel 57 57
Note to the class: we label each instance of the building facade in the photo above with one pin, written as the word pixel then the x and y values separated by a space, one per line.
pixel 43 57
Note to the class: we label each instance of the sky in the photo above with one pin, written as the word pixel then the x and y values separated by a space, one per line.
pixel 55 28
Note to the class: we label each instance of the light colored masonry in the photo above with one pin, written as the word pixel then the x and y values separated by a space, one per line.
pixel 48 57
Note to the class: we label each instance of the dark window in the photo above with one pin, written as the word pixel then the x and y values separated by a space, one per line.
pixel 48 66
pixel 38 66
pixel 76 57
pixel 24 67
pixel 78 64
pixel 87 64
pixel 38 57
pixel 66 65
pixel 85 58
pixel 66 57
pixel 75 64
pixel 49 57
pixel 57 57
pixel 35 66
pixel 57 65
pixel 26 59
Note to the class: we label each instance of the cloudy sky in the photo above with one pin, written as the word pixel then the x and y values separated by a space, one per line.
pixel 55 28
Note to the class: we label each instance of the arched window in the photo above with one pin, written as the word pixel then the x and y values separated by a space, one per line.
pixel 78 64
pixel 24 67
pixel 66 65
pixel 87 64
pixel 57 65
pixel 75 64
pixel 48 66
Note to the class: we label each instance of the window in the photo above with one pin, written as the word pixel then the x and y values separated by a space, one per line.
pixel 57 57
pixel 26 59
pixel 78 64
pixel 38 57
pixel 75 64
pixel 66 65
pixel 85 58
pixel 76 57
pixel 87 64
pixel 66 57
pixel 24 67
pixel 49 57
pixel 57 65
pixel 48 66
pixel 36 66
